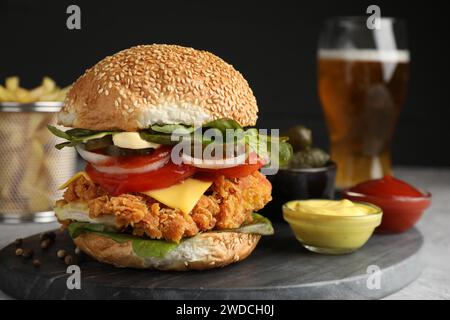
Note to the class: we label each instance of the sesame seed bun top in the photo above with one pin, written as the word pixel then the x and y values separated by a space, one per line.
pixel 161 84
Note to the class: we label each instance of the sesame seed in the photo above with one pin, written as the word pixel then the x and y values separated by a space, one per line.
pixel 150 74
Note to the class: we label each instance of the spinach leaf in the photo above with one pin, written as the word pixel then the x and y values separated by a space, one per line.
pixel 161 134
pixel 59 133
pixel 223 124
pixel 61 145
pixel 169 128
pixel 157 138
pixel 81 133
pixel 76 136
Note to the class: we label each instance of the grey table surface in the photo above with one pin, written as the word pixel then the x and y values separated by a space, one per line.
pixel 434 282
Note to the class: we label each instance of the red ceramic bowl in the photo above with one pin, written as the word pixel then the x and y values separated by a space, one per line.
pixel 400 213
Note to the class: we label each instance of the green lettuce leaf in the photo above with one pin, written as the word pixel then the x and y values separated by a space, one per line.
pixel 260 225
pixel 261 144
pixel 145 248
pixel 77 228
pixel 142 247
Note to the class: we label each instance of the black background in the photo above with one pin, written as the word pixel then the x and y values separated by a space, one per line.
pixel 272 43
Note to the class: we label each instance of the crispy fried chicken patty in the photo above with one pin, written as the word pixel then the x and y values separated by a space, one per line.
pixel 228 204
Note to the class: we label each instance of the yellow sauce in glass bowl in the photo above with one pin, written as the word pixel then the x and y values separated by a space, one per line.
pixel 332 226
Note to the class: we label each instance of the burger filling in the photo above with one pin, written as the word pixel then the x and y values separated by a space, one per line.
pixel 227 204
pixel 132 185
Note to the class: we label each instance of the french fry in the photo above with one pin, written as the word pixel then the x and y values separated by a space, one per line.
pixel 22 95
pixel 12 83
pixel 62 94
pixel 51 96
pixel 5 94
pixel 48 84
pixel 37 92
pixel 28 176
pixel 47 91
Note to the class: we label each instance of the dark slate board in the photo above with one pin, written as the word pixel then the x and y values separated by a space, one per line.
pixel 278 269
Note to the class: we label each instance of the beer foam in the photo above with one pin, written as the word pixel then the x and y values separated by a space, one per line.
pixel 364 55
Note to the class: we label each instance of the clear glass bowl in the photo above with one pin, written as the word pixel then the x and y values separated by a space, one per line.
pixel 332 234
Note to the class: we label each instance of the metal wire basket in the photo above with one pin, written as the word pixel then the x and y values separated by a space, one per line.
pixel 31 169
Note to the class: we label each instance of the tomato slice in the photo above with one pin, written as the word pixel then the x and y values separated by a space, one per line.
pixel 233 172
pixel 138 161
pixel 117 184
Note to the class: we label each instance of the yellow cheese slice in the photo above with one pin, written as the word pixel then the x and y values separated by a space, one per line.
pixel 73 178
pixel 183 196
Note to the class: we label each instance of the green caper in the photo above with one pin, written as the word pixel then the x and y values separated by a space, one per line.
pixel 300 137
pixel 309 158
pixel 285 153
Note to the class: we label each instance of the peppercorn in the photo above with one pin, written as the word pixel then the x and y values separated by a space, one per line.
pixel 19 252
pixel 68 259
pixel 61 253
pixel 45 243
pixel 36 263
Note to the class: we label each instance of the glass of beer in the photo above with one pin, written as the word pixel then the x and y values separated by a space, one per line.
pixel 362 74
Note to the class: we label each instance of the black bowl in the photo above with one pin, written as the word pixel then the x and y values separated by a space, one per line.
pixel 299 184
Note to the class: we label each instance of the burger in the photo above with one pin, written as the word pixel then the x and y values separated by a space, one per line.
pixel 141 204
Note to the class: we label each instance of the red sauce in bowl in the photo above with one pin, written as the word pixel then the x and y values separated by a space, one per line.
pixel 387 187
pixel 402 203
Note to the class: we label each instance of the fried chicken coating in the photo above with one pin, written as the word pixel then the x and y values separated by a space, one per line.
pixel 239 198
pixel 83 189
pixel 229 204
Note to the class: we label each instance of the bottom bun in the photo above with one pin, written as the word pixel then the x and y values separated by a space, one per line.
pixel 204 251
